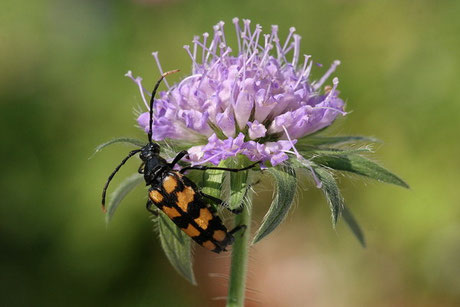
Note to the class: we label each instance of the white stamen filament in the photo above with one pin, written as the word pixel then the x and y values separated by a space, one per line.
pixel 291 31
pixel 195 64
pixel 205 38
pixel 250 41
pixel 335 82
pixel 247 27
pixel 302 72
pixel 252 57
pixel 302 160
pixel 205 49
pixel 265 56
pixel 221 24
pixel 238 33
pixel 214 65
pixel 138 81
pixel 155 55
pixel 295 58
pixel 129 74
pixel 276 40
pixel 195 47
pixel 257 32
pixel 329 72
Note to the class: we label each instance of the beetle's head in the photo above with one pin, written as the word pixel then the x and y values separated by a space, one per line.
pixel 150 150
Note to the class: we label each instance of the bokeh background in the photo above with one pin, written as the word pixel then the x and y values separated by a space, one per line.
pixel 62 92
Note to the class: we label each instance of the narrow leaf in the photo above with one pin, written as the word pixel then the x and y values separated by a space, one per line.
pixel 120 193
pixel 329 140
pixel 135 142
pixel 354 226
pixel 177 247
pixel 361 166
pixel 330 190
pixel 286 185
pixel 216 129
pixel 309 151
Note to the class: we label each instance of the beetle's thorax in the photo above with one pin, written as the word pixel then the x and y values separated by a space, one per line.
pixel 154 164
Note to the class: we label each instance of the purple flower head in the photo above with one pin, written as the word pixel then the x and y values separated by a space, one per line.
pixel 247 103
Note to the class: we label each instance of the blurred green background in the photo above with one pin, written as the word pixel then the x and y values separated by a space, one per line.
pixel 62 92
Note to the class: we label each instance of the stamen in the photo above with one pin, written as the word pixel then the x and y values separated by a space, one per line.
pixel 307 72
pixel 266 40
pixel 221 24
pixel 222 47
pixel 323 79
pixel 265 55
pixel 247 27
pixel 155 55
pixel 257 32
pixel 206 49
pixel 238 32
pixel 215 41
pixel 276 40
pixel 207 160
pixel 287 51
pixel 291 31
pixel 302 72
pixel 331 108
pixel 195 46
pixel 335 82
pixel 214 65
pixel 138 81
pixel 302 160
pixel 251 40
pixel 295 58
pixel 205 38
pixel 268 92
pixel 195 65
pixel 129 74
pixel 252 57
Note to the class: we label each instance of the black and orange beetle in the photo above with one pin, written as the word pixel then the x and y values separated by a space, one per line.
pixel 177 196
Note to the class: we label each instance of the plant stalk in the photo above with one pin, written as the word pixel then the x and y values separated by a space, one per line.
pixel 240 250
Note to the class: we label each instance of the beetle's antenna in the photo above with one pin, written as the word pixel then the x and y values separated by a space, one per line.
pixel 152 98
pixel 104 191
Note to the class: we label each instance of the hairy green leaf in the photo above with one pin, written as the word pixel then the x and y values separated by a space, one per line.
pixel 354 226
pixel 330 140
pixel 330 190
pixel 238 181
pixel 126 186
pixel 286 184
pixel 309 151
pixel 177 247
pixel 359 165
pixel 131 141
pixel 212 181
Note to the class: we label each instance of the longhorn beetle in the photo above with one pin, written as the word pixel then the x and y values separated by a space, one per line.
pixel 177 196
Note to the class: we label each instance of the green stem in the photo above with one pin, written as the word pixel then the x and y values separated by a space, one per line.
pixel 240 249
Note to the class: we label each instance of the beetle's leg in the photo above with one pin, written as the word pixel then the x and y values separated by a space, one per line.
pixel 149 205
pixel 237 228
pixel 141 168
pixel 204 168
pixel 221 203
pixel 179 157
